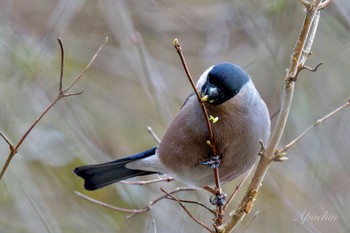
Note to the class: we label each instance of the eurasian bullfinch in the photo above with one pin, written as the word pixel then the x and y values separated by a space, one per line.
pixel 243 120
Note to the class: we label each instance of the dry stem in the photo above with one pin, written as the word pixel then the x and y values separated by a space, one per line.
pixel 317 123
pixel 133 212
pixel 61 94
pixel 300 53
pixel 186 210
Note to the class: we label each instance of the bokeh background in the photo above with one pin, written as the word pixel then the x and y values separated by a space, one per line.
pixel 138 81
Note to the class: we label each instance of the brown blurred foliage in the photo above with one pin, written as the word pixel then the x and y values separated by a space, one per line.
pixel 138 81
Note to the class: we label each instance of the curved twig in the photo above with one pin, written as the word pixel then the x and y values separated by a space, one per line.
pixel 186 210
pixel 62 94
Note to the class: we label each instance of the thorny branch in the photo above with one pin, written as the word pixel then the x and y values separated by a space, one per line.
pixel 61 94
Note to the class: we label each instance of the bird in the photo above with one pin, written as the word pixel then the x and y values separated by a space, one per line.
pixel 243 123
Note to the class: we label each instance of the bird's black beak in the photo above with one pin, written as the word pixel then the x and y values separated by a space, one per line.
pixel 209 93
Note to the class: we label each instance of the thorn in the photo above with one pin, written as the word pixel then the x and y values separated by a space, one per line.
pixel 262 148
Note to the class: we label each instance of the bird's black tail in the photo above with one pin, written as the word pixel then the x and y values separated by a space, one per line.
pixel 100 175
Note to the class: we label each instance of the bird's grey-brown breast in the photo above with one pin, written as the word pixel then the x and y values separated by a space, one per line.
pixel 243 121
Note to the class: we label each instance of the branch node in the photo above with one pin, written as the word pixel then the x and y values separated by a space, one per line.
pixel 71 94
pixel 306 3
pixel 280 157
pixel 262 149
pixel 324 4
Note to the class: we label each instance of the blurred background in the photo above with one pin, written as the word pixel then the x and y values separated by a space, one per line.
pixel 138 81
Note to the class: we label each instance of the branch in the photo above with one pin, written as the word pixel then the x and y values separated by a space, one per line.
pixel 317 123
pixel 132 211
pixel 153 134
pixel 61 94
pixel 186 210
pixel 220 211
pixel 166 179
pixel 193 202
pixel 300 52
pixel 110 206
pixel 238 187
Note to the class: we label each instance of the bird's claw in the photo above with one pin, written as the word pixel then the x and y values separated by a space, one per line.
pixel 213 162
pixel 218 199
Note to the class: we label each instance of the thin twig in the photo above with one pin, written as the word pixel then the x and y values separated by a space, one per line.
pixel 325 3
pixel 220 211
pixel 153 134
pixel 60 90
pixel 186 210
pixel 275 114
pixel 7 141
pixel 61 94
pixel 251 221
pixel 238 187
pixel 166 179
pixel 193 202
pixel 110 206
pixel 204 109
pixel 306 3
pixel 317 123
pixel 306 68
pixel 87 66
pixel 151 203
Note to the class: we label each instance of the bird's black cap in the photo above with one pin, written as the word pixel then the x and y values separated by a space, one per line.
pixel 226 79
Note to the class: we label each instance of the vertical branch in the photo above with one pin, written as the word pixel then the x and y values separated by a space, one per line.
pixel 219 218
pixel 300 52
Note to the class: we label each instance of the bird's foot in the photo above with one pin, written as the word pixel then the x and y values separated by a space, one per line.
pixel 213 161
pixel 218 199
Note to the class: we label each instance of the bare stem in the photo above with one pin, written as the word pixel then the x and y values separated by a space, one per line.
pixel 61 94
pixel 87 66
pixel 149 206
pixel 238 187
pixel 62 65
pixel 110 206
pixel 194 202
pixel 166 179
pixel 186 210
pixel 300 52
pixel 317 123
pixel 153 134
pixel 7 141
pixel 220 210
